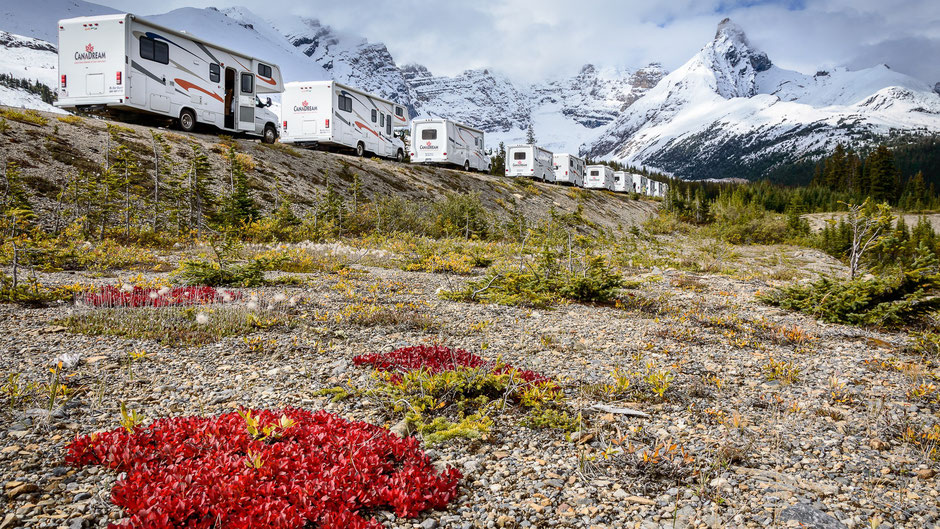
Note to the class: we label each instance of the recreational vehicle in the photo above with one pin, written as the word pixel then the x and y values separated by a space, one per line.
pixel 123 63
pixel 331 114
pixel 446 142
pixel 599 177
pixel 623 182
pixel 653 188
pixel 530 161
pixel 640 184
pixel 569 169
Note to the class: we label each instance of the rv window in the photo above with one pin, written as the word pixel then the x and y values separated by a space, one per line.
pixel 595 172
pixel 214 73
pixel 400 112
pixel 161 52
pixel 374 118
pixel 570 162
pixel 429 134
pixel 381 120
pixel 248 83
pixel 152 50
pixel 518 155
pixel 345 103
pixel 388 126
pixel 264 70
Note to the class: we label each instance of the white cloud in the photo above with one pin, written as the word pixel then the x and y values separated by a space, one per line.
pixel 532 39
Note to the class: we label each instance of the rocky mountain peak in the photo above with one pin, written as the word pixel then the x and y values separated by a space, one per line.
pixel 734 61
pixel 936 88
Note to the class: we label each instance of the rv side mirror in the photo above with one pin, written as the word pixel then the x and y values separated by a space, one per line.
pixel 489 152
pixel 268 103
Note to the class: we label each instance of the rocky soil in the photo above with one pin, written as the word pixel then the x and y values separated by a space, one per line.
pixel 50 155
pixel 825 449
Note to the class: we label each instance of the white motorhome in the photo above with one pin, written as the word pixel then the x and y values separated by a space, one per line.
pixel 623 182
pixel 123 63
pixel 653 189
pixel 640 184
pixel 331 114
pixel 569 169
pixel 446 142
pixel 599 177
pixel 530 161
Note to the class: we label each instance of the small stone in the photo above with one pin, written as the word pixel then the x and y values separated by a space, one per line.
pixel 641 500
pixel 810 518
pixel 925 473
pixel 430 523
pixel 21 489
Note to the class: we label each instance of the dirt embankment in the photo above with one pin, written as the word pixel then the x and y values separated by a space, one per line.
pixel 48 155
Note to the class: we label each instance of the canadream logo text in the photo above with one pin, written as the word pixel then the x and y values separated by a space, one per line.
pixel 305 107
pixel 90 54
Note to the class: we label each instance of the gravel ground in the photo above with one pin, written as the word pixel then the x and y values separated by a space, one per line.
pixel 758 452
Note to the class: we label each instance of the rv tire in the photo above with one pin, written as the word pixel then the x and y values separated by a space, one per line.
pixel 187 120
pixel 466 165
pixel 399 156
pixel 360 149
pixel 269 134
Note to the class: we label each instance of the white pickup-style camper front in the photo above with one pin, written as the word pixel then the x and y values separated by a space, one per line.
pixel 569 169
pixel 332 114
pixel 126 63
pixel 598 177
pixel 530 161
pixel 446 142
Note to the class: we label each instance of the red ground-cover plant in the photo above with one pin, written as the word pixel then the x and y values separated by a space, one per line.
pixel 322 471
pixel 439 358
pixel 111 296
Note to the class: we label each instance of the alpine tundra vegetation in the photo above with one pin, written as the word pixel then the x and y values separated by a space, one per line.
pixel 726 315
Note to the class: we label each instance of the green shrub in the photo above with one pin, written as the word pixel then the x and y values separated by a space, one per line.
pixel 549 417
pixel 210 273
pixel 30 292
pixel 30 117
pixel 460 215
pixel 904 298
pixel 543 286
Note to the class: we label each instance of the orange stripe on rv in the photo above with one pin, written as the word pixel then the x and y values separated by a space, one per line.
pixel 362 125
pixel 271 82
pixel 187 85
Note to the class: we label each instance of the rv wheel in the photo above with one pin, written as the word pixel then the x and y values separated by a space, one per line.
pixel 269 135
pixel 360 149
pixel 466 165
pixel 187 120
pixel 399 156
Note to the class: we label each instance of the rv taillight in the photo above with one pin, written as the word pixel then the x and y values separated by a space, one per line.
pixel 327 123
pixel 445 154
pixel 63 80
pixel 285 123
pixel 566 173
pixel 119 78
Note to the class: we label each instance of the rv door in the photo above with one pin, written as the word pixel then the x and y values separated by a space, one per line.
pixel 246 102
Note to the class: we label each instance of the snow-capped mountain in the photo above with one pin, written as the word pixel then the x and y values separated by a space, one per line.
pixel 30 59
pixel 564 113
pixel 479 98
pixel 729 111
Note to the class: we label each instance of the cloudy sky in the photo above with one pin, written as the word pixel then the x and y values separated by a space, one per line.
pixel 534 39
